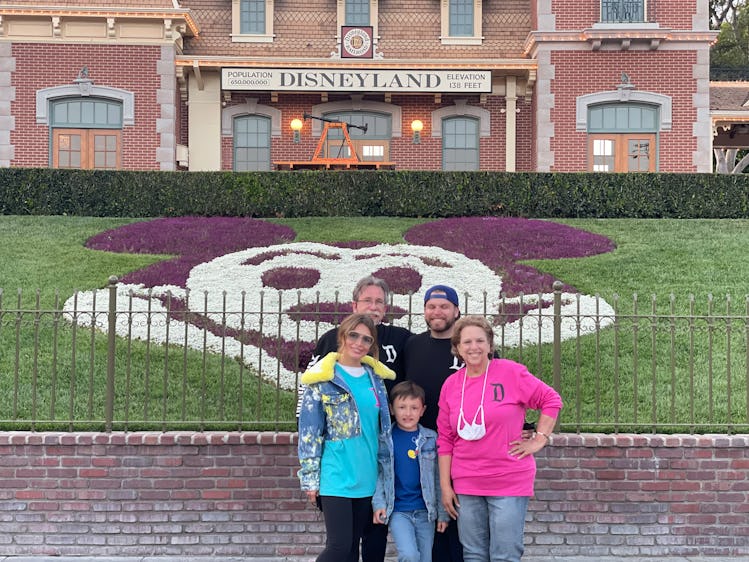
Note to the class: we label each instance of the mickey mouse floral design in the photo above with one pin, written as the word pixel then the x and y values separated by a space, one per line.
pixel 276 290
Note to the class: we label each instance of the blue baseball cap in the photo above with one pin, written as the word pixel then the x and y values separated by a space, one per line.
pixel 442 292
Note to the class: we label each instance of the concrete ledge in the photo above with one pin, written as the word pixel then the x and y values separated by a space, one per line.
pixel 311 559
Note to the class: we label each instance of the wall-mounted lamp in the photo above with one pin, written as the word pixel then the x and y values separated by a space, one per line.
pixel 296 126
pixel 416 127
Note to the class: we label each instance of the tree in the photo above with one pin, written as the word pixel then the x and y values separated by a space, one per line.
pixel 729 56
pixel 722 11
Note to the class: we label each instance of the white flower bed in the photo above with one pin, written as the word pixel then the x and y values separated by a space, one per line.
pixel 227 284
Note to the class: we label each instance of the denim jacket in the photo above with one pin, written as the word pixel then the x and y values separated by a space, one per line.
pixel 329 413
pixel 384 496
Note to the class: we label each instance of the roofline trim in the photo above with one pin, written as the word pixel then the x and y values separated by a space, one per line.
pixel 522 65
pixel 151 13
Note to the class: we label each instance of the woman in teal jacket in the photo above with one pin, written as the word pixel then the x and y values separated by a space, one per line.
pixel 344 412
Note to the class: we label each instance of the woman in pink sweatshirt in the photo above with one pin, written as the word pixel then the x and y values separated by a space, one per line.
pixel 486 469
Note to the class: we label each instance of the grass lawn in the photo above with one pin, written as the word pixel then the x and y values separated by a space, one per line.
pixel 623 379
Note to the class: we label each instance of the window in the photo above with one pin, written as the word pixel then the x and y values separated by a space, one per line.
pixel 252 21
pixel 252 143
pixel 357 12
pixel 461 22
pixel 622 11
pixel 252 16
pixel 461 18
pixel 87 113
pixel 622 153
pixel 622 137
pixel 372 146
pixel 97 149
pixel 460 143
pixel 86 133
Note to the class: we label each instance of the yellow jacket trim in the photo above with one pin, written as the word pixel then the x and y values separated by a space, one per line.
pixel 323 370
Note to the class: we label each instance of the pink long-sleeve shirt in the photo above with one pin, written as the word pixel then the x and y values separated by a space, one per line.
pixel 485 467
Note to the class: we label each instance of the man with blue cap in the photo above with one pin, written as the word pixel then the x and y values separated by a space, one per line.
pixel 428 362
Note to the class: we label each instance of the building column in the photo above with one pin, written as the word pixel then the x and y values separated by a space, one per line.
pixel 204 118
pixel 7 95
pixel 166 123
pixel 511 133
pixel 702 128
pixel 544 104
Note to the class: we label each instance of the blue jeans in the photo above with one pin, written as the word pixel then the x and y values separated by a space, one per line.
pixel 491 528
pixel 413 534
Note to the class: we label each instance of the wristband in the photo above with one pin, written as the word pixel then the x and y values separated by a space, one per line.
pixel 548 437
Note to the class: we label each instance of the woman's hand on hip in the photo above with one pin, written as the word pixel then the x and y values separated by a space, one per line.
pixel 525 447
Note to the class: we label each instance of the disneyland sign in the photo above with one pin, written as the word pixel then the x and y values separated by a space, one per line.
pixel 358 80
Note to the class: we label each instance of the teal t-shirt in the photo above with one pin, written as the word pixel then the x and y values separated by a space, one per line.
pixel 348 468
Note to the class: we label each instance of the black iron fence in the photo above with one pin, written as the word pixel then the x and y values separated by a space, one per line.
pixel 118 359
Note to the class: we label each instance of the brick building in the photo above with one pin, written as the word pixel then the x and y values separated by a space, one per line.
pixel 546 85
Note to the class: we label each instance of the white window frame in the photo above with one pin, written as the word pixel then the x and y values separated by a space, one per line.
pixel 250 107
pixel 462 109
pixel 373 18
pixel 445 37
pixel 44 96
pixel 623 96
pixel 236 31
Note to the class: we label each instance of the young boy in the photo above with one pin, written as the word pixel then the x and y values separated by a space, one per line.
pixel 408 492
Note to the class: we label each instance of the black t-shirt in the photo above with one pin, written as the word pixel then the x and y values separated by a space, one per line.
pixel 428 363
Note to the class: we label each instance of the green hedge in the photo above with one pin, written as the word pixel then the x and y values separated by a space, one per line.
pixel 42 191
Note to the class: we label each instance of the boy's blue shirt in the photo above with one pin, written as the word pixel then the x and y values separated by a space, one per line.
pixel 384 496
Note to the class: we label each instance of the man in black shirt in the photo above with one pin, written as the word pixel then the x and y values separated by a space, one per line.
pixel 429 359
pixel 428 363
pixel 371 296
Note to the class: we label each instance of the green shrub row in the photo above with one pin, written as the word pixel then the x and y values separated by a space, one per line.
pixel 42 191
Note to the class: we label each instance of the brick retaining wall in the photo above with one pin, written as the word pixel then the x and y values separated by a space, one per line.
pixel 236 494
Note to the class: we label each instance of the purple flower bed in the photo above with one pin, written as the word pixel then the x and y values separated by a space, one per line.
pixel 283 278
pixel 401 280
pixel 260 258
pixel 501 242
pixel 193 239
pixel 332 312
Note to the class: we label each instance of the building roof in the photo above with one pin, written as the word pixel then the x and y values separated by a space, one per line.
pixel 729 96
pixel 112 5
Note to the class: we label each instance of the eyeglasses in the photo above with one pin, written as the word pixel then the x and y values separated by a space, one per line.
pixel 356 336
pixel 370 302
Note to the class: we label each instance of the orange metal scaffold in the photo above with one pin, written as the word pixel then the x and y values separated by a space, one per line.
pixel 319 157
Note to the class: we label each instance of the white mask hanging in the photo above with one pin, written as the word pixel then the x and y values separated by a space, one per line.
pixel 476 429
